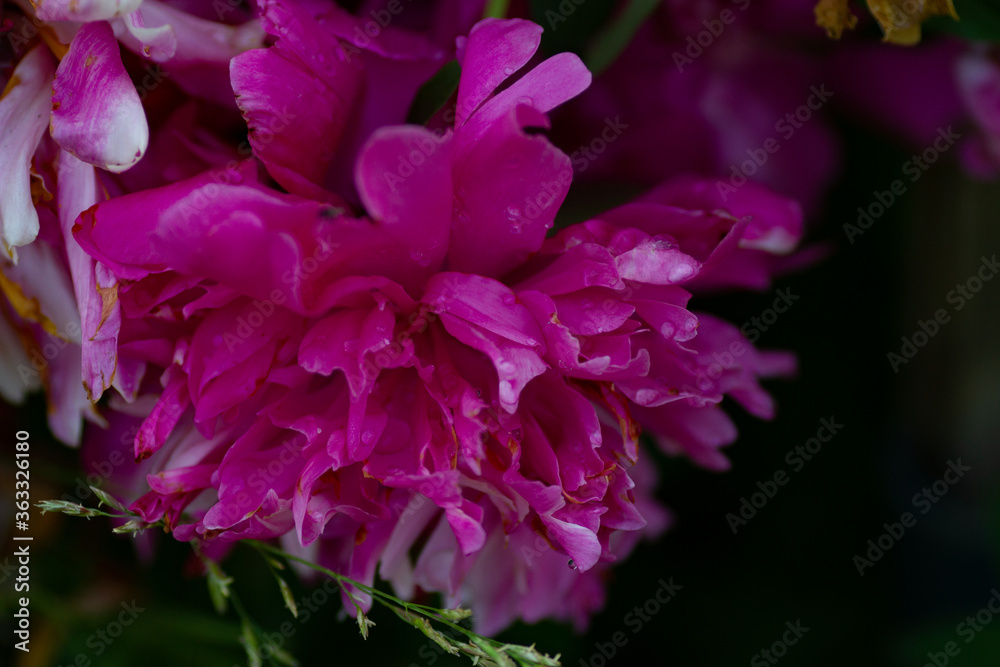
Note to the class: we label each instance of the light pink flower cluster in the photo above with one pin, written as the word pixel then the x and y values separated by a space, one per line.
pixel 366 338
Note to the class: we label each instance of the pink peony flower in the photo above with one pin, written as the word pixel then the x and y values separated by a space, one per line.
pixel 978 77
pixel 433 367
pixel 712 106
pixel 364 338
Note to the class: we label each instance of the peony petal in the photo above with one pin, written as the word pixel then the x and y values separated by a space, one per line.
pixel 509 186
pixel 296 97
pixel 551 83
pixel 493 51
pixel 97 115
pixel 157 44
pixel 169 34
pixel 24 115
pixel 100 313
pixel 398 166
pixel 83 10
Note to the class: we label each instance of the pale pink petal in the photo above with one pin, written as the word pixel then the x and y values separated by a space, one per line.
pixel 173 35
pixel 100 313
pixel 24 115
pixel 83 10
pixel 97 115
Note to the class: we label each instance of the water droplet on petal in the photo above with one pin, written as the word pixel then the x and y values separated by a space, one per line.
pixel 668 330
pixel 513 213
pixel 420 258
pixel 509 299
pixel 645 396
pixel 367 437
pixel 524 100
pixel 571 564
pixel 508 71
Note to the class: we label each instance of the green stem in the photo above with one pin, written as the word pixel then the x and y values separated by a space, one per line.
pixel 384 598
pixel 496 9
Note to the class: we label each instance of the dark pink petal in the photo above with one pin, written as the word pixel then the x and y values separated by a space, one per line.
pixel 466 522
pixel 323 492
pixel 191 227
pixel 400 165
pixel 170 407
pixel 553 82
pixel 182 479
pixel 485 315
pixel 494 50
pixel 570 424
pixel 485 303
pixel 672 321
pixel 262 460
pixel 592 311
pixel 296 97
pixel 592 358
pixel 508 187
pixel 576 267
pixel 698 432
pixel 774 222
pixel 622 513
pixel 580 543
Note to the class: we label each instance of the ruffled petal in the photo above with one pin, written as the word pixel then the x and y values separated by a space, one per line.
pixel 296 97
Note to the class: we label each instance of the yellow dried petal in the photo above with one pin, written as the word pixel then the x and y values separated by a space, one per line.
pixel 109 299
pixel 39 193
pixel 835 16
pixel 26 307
pixel 900 19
